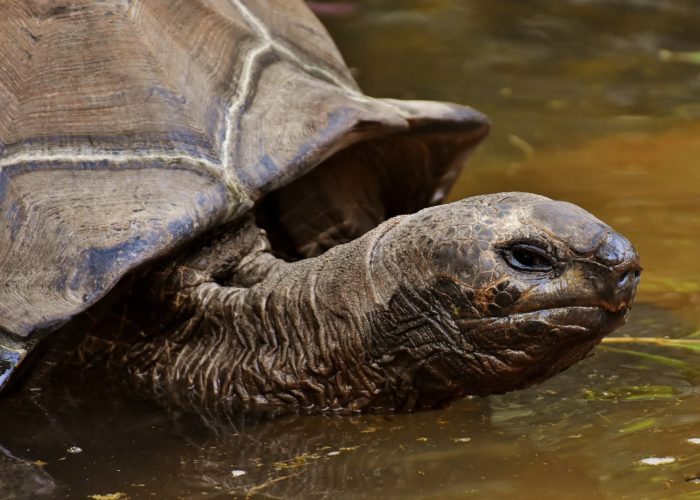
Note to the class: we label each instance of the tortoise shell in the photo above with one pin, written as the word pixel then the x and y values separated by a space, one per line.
pixel 129 127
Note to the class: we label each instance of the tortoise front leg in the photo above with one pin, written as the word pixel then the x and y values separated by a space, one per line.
pixel 237 255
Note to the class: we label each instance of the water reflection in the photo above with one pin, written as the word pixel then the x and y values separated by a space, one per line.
pixel 583 433
pixel 587 107
pixel 22 478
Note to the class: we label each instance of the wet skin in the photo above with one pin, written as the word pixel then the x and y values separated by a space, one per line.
pixel 480 296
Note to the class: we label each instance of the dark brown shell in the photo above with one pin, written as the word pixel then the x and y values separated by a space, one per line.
pixel 130 126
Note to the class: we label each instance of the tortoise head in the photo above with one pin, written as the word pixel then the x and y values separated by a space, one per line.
pixel 495 293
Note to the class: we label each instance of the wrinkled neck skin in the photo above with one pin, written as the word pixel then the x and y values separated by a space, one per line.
pixel 300 340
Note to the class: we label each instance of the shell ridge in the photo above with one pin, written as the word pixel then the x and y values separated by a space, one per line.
pixel 243 91
pixel 262 30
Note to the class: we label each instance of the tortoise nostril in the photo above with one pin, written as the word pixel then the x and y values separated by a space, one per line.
pixel 629 279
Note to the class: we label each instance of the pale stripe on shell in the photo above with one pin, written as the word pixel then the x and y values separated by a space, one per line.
pixel 222 164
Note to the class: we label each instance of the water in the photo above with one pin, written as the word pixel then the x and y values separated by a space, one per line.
pixel 593 101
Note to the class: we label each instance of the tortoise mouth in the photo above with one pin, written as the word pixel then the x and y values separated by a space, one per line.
pixel 526 348
pixel 583 320
pixel 576 321
pixel 514 352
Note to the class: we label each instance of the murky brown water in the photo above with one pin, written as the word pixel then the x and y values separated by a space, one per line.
pixel 593 101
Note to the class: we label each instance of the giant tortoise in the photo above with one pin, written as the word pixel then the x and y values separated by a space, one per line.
pixel 247 231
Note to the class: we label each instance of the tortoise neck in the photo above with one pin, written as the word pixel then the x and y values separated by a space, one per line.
pixel 300 340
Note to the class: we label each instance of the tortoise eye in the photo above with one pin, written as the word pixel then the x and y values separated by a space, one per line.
pixel 526 257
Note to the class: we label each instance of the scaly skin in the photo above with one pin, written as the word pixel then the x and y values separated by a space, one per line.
pixel 421 310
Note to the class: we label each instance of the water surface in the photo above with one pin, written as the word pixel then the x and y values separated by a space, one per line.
pixel 593 101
